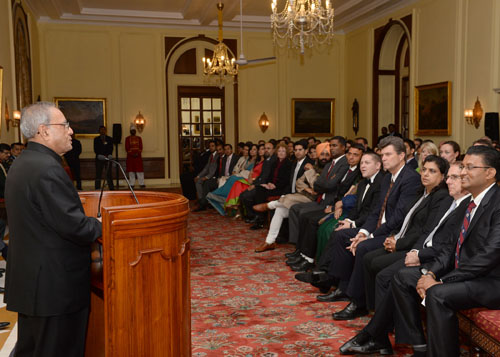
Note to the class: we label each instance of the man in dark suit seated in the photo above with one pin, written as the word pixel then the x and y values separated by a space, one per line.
pixel 206 180
pixel 410 154
pixel 48 266
pixel 373 338
pixel 398 191
pixel 308 223
pixel 466 274
pixel 325 186
pixel 247 197
pixel 228 161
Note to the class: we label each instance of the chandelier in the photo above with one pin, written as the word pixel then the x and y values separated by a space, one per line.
pixel 220 66
pixel 302 23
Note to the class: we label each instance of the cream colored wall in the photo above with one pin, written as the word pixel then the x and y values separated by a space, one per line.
pixel 126 65
pixel 452 40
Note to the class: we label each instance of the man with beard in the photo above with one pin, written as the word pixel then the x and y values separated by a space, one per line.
pixel 305 193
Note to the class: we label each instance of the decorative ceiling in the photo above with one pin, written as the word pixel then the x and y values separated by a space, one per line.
pixel 349 14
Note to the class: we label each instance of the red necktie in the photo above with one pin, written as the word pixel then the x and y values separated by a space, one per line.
pixel 382 210
pixel 463 231
pixel 330 170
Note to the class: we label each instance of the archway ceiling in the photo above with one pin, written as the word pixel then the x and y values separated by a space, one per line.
pixel 349 14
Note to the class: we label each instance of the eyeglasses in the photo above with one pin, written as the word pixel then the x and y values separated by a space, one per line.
pixel 472 167
pixel 66 124
pixel 453 177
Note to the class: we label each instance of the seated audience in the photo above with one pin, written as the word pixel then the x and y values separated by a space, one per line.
pixel 465 274
pixel 240 186
pixel 206 180
pixel 242 170
pixel 427 148
pixel 373 338
pixel 410 154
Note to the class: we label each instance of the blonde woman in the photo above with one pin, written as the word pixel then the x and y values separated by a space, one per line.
pixel 427 148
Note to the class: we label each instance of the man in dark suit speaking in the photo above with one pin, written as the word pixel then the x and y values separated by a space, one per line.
pixel 48 271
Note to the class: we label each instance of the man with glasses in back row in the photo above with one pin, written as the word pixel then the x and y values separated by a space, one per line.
pixel 48 267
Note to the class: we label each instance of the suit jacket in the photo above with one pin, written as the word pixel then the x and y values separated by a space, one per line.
pixel 479 254
pixel 307 160
pixel 103 148
pixel 48 272
pixel 422 220
pixel 413 163
pixel 328 184
pixel 404 191
pixel 445 233
pixel 234 160
pixel 210 169
pixel 351 179
pixel 282 180
pixel 364 207
pixel 266 170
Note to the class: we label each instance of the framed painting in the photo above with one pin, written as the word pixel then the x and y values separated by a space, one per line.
pixel 85 115
pixel 313 117
pixel 1 96
pixel 433 109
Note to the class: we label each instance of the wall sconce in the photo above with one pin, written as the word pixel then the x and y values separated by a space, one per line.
pixel 474 116
pixel 16 117
pixel 263 122
pixel 139 122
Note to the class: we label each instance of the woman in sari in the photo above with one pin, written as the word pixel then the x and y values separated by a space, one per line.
pixel 243 183
pixel 241 170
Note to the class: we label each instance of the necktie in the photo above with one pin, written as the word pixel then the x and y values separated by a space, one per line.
pixel 406 222
pixel 463 231
pixel 382 210
pixel 428 240
pixel 346 174
pixel 330 169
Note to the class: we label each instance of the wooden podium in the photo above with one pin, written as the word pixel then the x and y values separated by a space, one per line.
pixel 140 301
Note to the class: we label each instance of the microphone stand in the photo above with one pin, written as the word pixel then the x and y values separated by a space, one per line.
pixel 102 187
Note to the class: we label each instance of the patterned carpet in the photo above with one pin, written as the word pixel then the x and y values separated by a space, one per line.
pixel 249 304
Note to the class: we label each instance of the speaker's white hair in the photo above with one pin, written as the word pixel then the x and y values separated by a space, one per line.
pixel 35 115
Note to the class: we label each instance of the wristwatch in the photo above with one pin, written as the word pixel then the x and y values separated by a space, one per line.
pixel 425 271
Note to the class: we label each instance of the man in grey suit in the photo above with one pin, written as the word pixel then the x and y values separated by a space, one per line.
pixel 206 180
pixel 326 187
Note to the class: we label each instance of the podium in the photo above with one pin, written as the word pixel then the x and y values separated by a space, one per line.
pixel 140 299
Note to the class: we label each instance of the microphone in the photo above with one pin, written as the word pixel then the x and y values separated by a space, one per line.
pixel 110 160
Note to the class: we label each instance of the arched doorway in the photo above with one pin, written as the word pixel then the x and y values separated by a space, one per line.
pixel 391 77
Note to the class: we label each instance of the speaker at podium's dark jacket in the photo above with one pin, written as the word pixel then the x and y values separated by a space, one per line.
pixel 48 269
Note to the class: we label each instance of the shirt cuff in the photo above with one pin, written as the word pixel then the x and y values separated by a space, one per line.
pixel 353 224
pixel 365 232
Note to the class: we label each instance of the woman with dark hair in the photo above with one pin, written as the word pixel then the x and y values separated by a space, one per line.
pixel 420 220
pixel 450 151
pixel 233 198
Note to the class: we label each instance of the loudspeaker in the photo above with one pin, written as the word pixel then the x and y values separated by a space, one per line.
pixel 117 134
pixel 491 128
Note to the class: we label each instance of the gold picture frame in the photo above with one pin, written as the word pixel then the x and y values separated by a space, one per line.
pixel 313 116
pixel 85 115
pixel 1 97
pixel 433 109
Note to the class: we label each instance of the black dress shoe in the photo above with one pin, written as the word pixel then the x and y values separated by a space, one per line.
pixel 358 340
pixel 350 312
pixel 295 260
pixel 295 253
pixel 324 286
pixel 302 266
pixel 256 226
pixel 372 347
pixel 4 324
pixel 199 209
pixel 253 220
pixel 335 295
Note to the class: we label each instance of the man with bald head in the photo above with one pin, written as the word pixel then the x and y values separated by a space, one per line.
pixel 48 270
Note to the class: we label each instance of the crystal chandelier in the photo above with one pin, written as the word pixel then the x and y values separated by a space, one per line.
pixel 220 66
pixel 302 23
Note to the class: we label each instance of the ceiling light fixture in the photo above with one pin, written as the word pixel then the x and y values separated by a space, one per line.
pixel 220 66
pixel 302 23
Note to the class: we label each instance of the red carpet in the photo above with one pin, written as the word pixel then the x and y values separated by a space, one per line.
pixel 249 304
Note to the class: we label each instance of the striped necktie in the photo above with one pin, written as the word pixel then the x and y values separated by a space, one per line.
pixel 382 210
pixel 463 231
